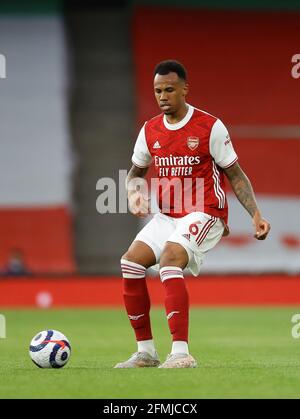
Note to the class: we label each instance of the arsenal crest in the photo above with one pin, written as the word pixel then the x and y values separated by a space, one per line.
pixel 192 143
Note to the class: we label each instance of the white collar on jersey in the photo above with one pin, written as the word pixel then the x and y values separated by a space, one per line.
pixel 181 123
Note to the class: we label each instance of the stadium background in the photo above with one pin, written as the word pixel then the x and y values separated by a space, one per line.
pixel 78 88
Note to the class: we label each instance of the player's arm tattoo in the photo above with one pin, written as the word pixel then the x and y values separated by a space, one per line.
pixel 242 188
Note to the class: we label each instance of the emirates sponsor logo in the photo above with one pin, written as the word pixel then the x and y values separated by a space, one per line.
pixel 176 160
pixel 193 143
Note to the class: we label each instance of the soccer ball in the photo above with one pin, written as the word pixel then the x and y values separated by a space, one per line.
pixel 50 349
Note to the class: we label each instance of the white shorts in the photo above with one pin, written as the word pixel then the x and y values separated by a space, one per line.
pixel 196 232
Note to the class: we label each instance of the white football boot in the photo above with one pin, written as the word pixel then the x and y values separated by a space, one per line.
pixel 179 361
pixel 140 360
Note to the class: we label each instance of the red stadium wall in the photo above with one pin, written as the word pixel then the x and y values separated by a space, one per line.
pixel 107 291
pixel 271 164
pixel 239 63
pixel 43 234
pixel 239 67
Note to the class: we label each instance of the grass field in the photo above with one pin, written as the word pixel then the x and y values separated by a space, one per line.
pixel 242 353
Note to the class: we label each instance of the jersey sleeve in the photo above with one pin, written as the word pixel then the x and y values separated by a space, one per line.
pixel 141 156
pixel 220 146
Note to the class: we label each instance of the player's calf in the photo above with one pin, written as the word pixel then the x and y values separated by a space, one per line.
pixel 136 299
pixel 176 302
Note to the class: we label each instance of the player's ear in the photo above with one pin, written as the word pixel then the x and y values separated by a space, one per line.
pixel 186 88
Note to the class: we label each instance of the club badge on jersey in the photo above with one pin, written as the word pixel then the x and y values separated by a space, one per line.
pixel 193 143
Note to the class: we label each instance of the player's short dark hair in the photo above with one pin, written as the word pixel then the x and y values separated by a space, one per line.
pixel 171 66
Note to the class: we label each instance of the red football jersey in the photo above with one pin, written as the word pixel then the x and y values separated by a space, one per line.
pixel 191 153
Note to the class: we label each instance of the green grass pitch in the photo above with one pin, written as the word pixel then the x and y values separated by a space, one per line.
pixel 242 353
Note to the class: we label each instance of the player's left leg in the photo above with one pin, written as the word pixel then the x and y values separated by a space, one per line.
pixel 173 260
pixel 195 234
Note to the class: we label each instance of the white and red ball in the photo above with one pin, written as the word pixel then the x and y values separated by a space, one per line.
pixel 50 349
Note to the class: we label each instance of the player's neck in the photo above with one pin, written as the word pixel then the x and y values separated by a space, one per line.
pixel 178 116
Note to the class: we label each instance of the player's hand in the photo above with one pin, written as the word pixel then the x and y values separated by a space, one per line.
pixel 139 205
pixel 262 227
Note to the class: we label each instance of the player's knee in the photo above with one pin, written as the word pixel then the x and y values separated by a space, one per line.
pixel 174 255
pixel 130 257
pixel 127 256
pixel 168 258
pixel 124 257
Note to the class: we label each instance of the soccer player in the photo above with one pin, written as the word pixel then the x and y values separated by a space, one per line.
pixel 183 143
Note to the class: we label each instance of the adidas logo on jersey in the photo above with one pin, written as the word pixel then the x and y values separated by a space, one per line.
pixel 156 145
pixel 187 236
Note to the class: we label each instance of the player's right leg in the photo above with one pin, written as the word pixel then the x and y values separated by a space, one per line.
pixel 144 252
pixel 137 303
pixel 173 260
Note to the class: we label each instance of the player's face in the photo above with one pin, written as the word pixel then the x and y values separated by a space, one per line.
pixel 170 92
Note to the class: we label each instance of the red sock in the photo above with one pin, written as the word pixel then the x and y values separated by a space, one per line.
pixel 176 302
pixel 136 299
